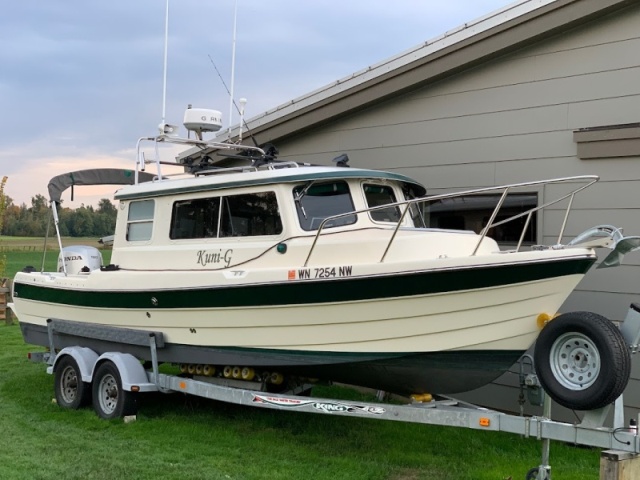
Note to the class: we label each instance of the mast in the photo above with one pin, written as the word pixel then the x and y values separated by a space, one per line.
pixel 164 80
pixel 233 64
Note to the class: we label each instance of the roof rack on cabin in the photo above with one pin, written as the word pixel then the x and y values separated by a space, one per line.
pixel 246 168
pixel 199 121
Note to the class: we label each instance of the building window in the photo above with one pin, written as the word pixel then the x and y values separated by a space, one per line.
pixel 140 220
pixel 317 201
pixel 245 215
pixel 473 212
pixel 377 195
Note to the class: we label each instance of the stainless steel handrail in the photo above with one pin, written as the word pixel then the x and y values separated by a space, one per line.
pixel 504 189
pixel 163 138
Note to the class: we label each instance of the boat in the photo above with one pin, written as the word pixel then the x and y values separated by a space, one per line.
pixel 253 267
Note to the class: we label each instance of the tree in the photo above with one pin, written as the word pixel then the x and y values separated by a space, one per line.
pixel 11 216
pixel 85 221
pixel 105 220
pixel 3 206
pixel 3 201
pixel 105 206
pixel 39 204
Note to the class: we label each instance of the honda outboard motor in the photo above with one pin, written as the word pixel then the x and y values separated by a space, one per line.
pixel 79 259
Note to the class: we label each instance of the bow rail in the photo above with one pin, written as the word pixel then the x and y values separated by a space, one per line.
pixel 585 181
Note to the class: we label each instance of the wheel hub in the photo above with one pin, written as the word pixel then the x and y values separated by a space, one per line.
pixel 69 385
pixel 575 361
pixel 109 394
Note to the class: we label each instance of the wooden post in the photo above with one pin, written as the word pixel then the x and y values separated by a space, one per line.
pixel 617 465
pixel 5 313
pixel 3 306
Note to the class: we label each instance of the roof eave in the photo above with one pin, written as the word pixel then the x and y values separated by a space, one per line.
pixel 430 66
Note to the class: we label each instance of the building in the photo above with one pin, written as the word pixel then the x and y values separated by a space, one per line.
pixel 539 89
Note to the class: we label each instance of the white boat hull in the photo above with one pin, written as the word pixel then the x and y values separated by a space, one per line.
pixel 498 320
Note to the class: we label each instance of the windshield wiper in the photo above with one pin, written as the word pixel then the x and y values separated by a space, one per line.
pixel 300 194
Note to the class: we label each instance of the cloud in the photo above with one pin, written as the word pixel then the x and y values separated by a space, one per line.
pixel 81 81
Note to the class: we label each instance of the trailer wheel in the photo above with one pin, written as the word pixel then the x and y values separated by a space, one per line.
pixel 109 399
pixel 71 392
pixel 582 360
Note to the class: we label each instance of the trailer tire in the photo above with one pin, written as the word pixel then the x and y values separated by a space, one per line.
pixel 109 398
pixel 70 391
pixel 582 360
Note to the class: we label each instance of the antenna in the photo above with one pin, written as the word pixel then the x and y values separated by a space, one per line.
pixel 243 102
pixel 233 63
pixel 164 82
pixel 255 142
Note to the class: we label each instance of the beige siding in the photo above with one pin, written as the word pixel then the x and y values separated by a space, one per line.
pixel 512 120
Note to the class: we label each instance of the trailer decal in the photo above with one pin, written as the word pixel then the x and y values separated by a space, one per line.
pixel 327 407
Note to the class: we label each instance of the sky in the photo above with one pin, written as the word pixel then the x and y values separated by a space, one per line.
pixel 81 81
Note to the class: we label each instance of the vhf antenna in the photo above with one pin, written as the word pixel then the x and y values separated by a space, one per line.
pixel 233 102
pixel 164 80
pixel 233 64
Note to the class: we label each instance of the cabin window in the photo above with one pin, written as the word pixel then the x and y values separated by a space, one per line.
pixel 251 214
pixel 195 218
pixel 377 195
pixel 472 212
pixel 317 201
pixel 416 210
pixel 140 220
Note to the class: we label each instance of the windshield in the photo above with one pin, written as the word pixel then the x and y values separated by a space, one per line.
pixel 378 195
pixel 317 201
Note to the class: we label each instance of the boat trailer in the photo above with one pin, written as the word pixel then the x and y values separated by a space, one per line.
pixel 117 377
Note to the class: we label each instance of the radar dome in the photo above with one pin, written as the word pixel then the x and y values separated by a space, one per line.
pixel 202 120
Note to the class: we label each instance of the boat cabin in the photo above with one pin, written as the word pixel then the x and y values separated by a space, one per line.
pixel 231 216
pixel 254 212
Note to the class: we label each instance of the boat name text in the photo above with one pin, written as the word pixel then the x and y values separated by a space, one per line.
pixel 328 272
pixel 220 257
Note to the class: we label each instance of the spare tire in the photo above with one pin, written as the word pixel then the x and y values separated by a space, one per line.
pixel 582 360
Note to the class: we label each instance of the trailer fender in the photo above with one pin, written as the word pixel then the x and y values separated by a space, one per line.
pixel 84 357
pixel 132 373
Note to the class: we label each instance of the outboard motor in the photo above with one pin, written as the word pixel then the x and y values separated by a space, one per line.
pixel 79 259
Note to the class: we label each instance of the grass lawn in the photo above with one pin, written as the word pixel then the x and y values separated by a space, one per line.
pixel 177 436
pixel 20 252
pixel 183 437
pixel 37 243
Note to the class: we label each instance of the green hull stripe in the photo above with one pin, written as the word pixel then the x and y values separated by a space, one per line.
pixel 301 292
